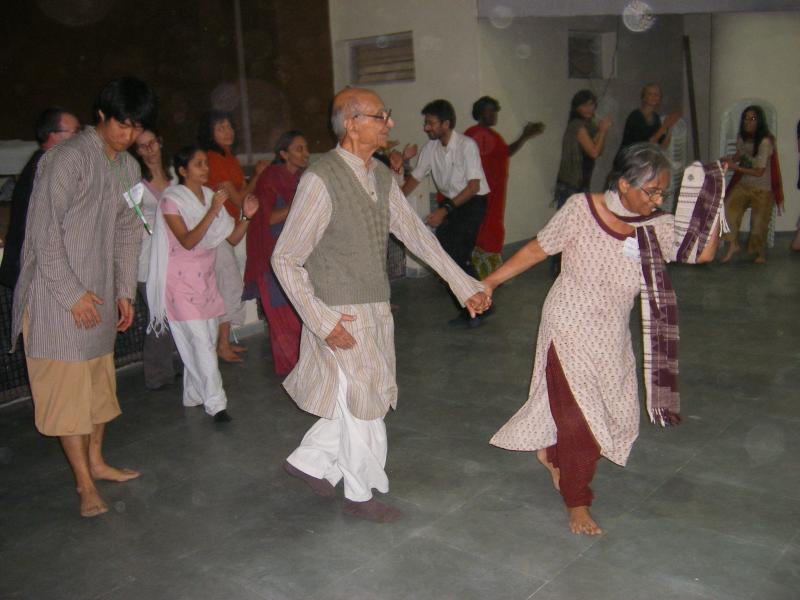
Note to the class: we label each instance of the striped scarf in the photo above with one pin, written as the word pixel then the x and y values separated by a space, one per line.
pixel 699 207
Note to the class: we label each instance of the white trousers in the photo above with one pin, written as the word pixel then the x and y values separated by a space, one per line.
pixel 197 344
pixel 345 448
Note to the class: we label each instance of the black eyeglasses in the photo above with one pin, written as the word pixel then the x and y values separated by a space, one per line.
pixel 384 115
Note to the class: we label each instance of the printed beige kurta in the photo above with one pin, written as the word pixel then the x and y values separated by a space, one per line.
pixel 370 365
pixel 586 317
pixel 80 236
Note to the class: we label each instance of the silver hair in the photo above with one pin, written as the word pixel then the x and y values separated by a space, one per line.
pixel 346 110
pixel 638 164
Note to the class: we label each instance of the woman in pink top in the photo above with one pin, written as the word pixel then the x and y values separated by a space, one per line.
pixel 182 286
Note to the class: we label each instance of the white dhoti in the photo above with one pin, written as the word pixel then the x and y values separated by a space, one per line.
pixel 197 344
pixel 345 447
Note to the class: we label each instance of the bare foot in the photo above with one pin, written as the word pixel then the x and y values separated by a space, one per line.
pixel 760 259
pixel 732 249
pixel 108 473
pixel 581 521
pixel 372 510
pixel 229 355
pixel 91 502
pixel 555 472
pixel 238 348
pixel 320 487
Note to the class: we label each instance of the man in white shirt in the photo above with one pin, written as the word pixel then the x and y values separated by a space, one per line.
pixel 454 162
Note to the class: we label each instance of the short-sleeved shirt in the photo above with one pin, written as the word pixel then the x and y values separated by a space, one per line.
pixel 760 161
pixel 452 166
pixel 191 288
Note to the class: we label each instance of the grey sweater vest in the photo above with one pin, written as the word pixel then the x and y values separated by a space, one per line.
pixel 348 265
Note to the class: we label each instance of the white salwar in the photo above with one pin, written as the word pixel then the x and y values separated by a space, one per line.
pixel 345 447
pixel 196 340
pixel 197 344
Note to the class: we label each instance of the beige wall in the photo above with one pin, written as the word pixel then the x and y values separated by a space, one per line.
pixel 756 55
pixel 445 51
pixel 524 66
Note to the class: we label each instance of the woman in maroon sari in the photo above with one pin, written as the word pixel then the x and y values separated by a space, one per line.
pixel 275 190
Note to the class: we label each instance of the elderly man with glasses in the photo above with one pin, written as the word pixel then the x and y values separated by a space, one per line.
pixel 331 261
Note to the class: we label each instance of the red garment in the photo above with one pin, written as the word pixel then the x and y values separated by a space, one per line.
pixel 776 180
pixel 274 189
pixel 575 452
pixel 225 167
pixel 494 160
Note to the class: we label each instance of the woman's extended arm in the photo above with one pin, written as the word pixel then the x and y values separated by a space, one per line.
pixel 524 258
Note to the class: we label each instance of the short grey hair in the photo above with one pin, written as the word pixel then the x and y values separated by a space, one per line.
pixel 346 110
pixel 638 164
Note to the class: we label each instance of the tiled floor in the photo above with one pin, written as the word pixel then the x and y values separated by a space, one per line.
pixel 708 510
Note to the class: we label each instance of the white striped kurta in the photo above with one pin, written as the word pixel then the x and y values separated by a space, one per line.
pixel 370 365
pixel 80 236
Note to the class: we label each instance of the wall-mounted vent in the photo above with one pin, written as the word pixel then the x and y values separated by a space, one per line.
pixel 382 59
pixel 592 55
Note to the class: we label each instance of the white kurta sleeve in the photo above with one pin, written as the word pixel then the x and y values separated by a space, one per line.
pixel 409 229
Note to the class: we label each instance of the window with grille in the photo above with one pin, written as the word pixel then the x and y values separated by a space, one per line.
pixel 382 59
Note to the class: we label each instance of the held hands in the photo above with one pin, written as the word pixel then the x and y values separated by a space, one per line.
pixel 340 337
pixel 673 418
pixel 478 303
pixel 84 311
pixel 125 314
pixel 436 217
pixel 249 205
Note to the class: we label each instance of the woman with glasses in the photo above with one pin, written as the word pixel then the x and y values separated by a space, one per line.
pixel 756 184
pixel 157 352
pixel 583 401
pixel 275 191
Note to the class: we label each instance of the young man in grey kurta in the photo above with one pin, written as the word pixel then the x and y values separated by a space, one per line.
pixel 331 261
pixel 78 280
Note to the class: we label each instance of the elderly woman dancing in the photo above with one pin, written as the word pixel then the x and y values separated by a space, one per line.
pixel 583 401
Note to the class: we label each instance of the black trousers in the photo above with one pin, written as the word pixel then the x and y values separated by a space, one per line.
pixel 459 230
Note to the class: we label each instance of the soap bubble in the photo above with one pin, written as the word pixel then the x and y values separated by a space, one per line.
pixel 638 16
pixel 501 16
pixel 523 51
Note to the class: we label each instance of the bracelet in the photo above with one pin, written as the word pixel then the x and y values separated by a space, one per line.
pixel 448 205
pixel 245 218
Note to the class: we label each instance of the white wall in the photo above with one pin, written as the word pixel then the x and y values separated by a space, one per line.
pixel 524 66
pixel 756 55
pixel 445 51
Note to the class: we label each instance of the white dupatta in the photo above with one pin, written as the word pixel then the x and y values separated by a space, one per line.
pixel 192 212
